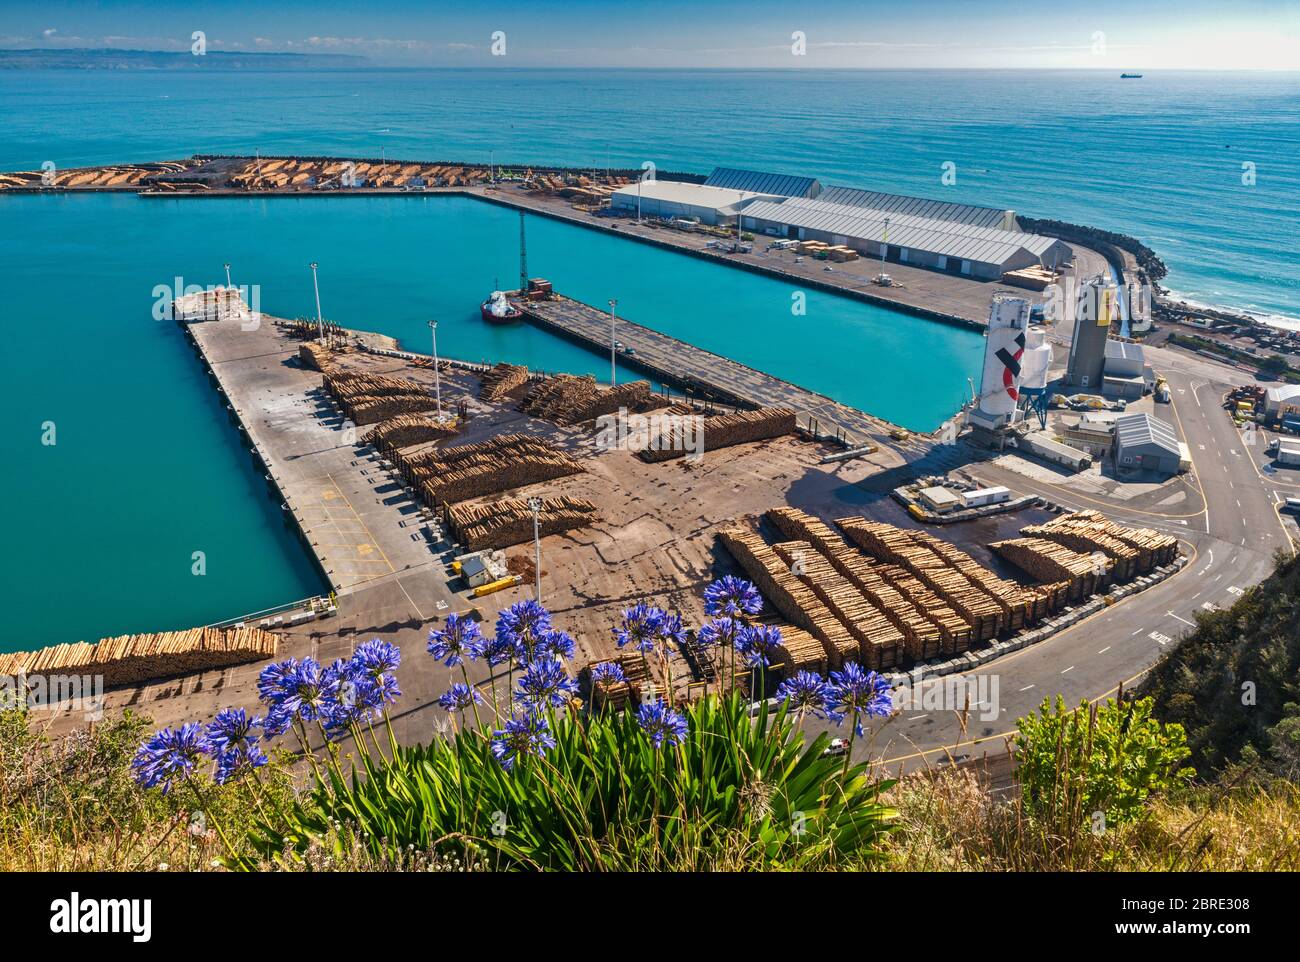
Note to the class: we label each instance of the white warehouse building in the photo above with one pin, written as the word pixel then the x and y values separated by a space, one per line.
pixel 676 199
pixel 956 246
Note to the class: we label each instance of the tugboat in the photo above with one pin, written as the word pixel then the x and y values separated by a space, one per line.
pixel 498 310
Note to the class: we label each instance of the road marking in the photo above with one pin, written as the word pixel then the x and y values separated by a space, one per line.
pixel 1071 668
pixel 1027 687
pixel 1159 639
pixel 919 717
pixel 1138 632
pixel 1234 590
pixel 1179 618
pixel 1104 650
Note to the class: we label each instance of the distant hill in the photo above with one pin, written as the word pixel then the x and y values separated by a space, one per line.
pixel 95 59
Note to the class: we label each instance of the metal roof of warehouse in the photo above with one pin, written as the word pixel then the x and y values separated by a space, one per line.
pixel 1138 429
pixel 681 192
pixel 762 182
pixel 919 206
pixel 986 245
pixel 1115 350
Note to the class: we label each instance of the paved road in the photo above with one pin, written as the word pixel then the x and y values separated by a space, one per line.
pixel 1230 529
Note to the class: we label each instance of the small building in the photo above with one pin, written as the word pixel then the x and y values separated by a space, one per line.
pixel 981 497
pixel 1043 445
pixel 940 499
pixel 1124 368
pixel 1145 443
pixel 1094 432
pixel 1282 401
pixel 671 199
pixel 475 570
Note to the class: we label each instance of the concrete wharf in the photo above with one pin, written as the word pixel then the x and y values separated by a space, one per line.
pixel 700 373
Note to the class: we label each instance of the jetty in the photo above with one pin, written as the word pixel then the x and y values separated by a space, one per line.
pixel 700 374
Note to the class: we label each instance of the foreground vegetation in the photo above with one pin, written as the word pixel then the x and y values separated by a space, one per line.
pixel 544 782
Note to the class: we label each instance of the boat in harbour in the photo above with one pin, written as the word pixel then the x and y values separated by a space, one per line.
pixel 497 309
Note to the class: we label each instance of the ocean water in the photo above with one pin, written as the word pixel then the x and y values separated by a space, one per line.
pixel 1160 158
pixel 102 526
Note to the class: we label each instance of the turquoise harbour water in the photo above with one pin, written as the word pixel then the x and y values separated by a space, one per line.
pixel 101 526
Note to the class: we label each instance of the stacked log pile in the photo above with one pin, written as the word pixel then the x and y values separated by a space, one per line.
pixel 1048 561
pixel 315 356
pixel 501 380
pixel 135 659
pixel 371 398
pixel 918 632
pixel 633 396
pixel 620 694
pixel 408 429
pixel 720 431
pixel 799 651
pixel 462 472
pixel 880 644
pixel 500 524
pixel 954 631
pixel 557 396
pixel 788 595
pixel 1021 606
pixel 982 613
pixel 1148 547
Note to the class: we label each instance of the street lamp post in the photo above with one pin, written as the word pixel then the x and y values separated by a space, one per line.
pixel 613 303
pixel 884 247
pixel 535 505
pixel 437 381
pixel 228 284
pixel 320 320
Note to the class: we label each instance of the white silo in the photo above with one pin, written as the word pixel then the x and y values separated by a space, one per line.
pixel 1004 349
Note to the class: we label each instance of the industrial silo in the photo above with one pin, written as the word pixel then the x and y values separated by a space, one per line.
pixel 1095 307
pixel 1004 348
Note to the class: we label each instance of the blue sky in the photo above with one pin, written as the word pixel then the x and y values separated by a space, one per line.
pixel 1104 34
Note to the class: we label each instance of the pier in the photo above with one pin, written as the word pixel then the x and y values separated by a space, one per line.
pixel 699 373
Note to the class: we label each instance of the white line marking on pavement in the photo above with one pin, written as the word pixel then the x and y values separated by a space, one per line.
pixel 1104 650
pixel 1071 668
pixel 1178 618
pixel 1027 687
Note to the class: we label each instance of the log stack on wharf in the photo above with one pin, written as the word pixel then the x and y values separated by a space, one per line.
pixel 406 430
pixel 1023 606
pixel 796 602
pixel 984 616
pixel 446 475
pixel 918 632
pixel 500 524
pixel 501 381
pixel 371 398
pixel 1048 561
pixel 718 431
pixel 880 644
pixel 1091 527
pixel 135 659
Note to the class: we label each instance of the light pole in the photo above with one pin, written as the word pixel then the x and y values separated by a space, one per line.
pixel 535 505
pixel 437 382
pixel 884 247
pixel 613 303
pixel 228 284
pixel 638 201
pixel 492 167
pixel 320 321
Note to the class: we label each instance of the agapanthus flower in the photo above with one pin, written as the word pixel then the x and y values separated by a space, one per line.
pixel 732 597
pixel 806 693
pixel 459 638
pixel 352 696
pixel 524 618
pixel 719 631
pixel 553 643
pixel 459 697
pixel 377 657
pixel 525 737
pixel 499 650
pixel 169 755
pixel 661 723
pixel 545 682
pixel 231 739
pixel 608 673
pixel 639 627
pixel 757 643
pixel 859 692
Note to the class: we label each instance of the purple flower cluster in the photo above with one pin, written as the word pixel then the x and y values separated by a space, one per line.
pixel 459 698
pixel 646 628
pixel 732 597
pixel 608 673
pixel 526 736
pixel 757 643
pixel 460 638
pixel 661 723
pixel 853 691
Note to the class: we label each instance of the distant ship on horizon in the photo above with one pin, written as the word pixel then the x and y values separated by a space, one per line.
pixel 1130 76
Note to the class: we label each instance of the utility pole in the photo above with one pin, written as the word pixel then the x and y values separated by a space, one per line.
pixel 320 321
pixel 437 382
pixel 535 505
pixel 492 167
pixel 613 303
pixel 884 246
pixel 523 258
